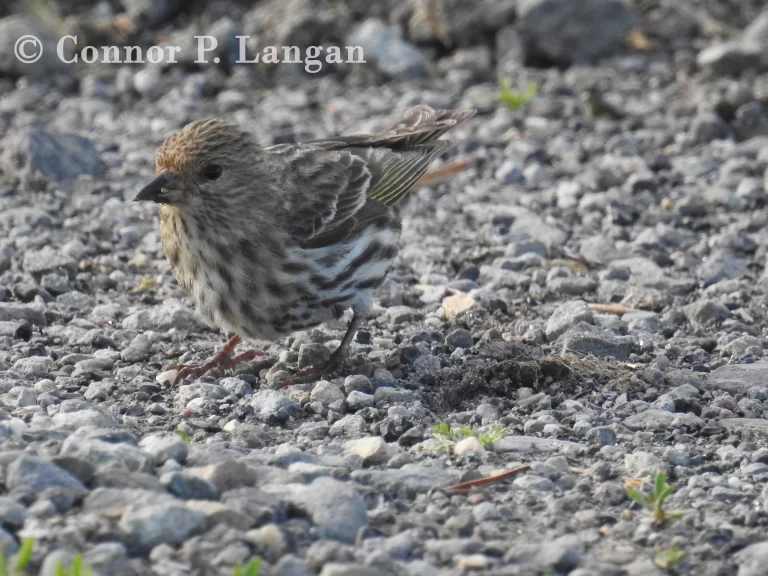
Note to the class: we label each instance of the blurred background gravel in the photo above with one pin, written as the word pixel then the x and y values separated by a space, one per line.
pixel 594 285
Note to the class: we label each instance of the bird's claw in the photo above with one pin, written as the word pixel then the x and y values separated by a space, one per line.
pixel 183 371
pixel 312 373
pixel 305 376
pixel 221 360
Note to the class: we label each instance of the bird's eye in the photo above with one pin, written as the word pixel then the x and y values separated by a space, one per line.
pixel 212 172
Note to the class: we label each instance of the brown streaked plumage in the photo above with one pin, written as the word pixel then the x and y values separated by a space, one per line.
pixel 269 241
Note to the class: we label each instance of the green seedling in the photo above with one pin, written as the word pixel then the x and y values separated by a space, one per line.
pixel 47 11
pixel 654 502
pixel 669 560
pixel 250 569
pixel 23 557
pixel 77 568
pixel 515 99
pixel 447 437
pixel 496 433
pixel 184 436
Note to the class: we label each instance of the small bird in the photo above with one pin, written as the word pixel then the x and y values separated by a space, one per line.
pixel 269 241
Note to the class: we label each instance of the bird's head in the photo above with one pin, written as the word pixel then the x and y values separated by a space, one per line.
pixel 206 162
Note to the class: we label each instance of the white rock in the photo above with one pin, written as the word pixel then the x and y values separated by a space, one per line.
pixel 373 449
pixel 167 377
pixel 130 421
pixel 644 464
pixel 469 444
pixel 196 404
pixel 326 392
pixel 232 426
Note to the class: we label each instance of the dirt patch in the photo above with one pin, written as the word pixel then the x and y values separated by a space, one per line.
pixel 501 369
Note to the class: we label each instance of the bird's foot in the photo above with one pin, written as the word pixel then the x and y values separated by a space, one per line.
pixel 312 373
pixel 304 376
pixel 221 360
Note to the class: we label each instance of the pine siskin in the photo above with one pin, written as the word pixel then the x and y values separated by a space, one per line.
pixel 270 241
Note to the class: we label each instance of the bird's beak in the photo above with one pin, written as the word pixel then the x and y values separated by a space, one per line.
pixel 157 190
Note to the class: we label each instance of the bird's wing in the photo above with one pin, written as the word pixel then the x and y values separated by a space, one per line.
pixel 395 173
pixel 418 125
pixel 341 184
pixel 323 191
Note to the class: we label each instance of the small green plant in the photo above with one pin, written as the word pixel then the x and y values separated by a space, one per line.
pixel 669 560
pixel 654 503
pixel 496 433
pixel 515 99
pixel 250 569
pixel 447 437
pixel 184 436
pixel 77 568
pixel 47 11
pixel 23 557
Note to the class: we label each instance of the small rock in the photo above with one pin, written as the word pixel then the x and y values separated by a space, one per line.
pixel 510 172
pixel 643 464
pixel 349 425
pixel 27 397
pixel 703 313
pixel 171 524
pixel 402 315
pixel 218 513
pixel 386 395
pixel 566 316
pixel 35 474
pixel 454 305
pixel 272 405
pixel 46 260
pixel 138 350
pixel 357 382
pixel 165 447
pixel 642 320
pixel 738 378
pixel 531 482
pixel 564 31
pixel 396 58
pixel 739 346
pixel 313 354
pixel 359 400
pixel 187 486
pixel 708 126
pixel 326 393
pixel 334 569
pixel 460 338
pixel 227 475
pixel 335 508
pixel 585 339
pixel 601 435
pixel 373 450
pixel 54 155
pixel 572 285
pixel 166 378
pixel 752 559
pixel 162 318
pixel 661 420
pixel 469 444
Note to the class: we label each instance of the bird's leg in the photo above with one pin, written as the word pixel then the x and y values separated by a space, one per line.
pixel 309 374
pixel 222 359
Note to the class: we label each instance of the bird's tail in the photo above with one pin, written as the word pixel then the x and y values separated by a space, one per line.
pixel 424 123
pixel 420 119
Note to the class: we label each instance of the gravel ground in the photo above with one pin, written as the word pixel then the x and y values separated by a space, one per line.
pixel 594 283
